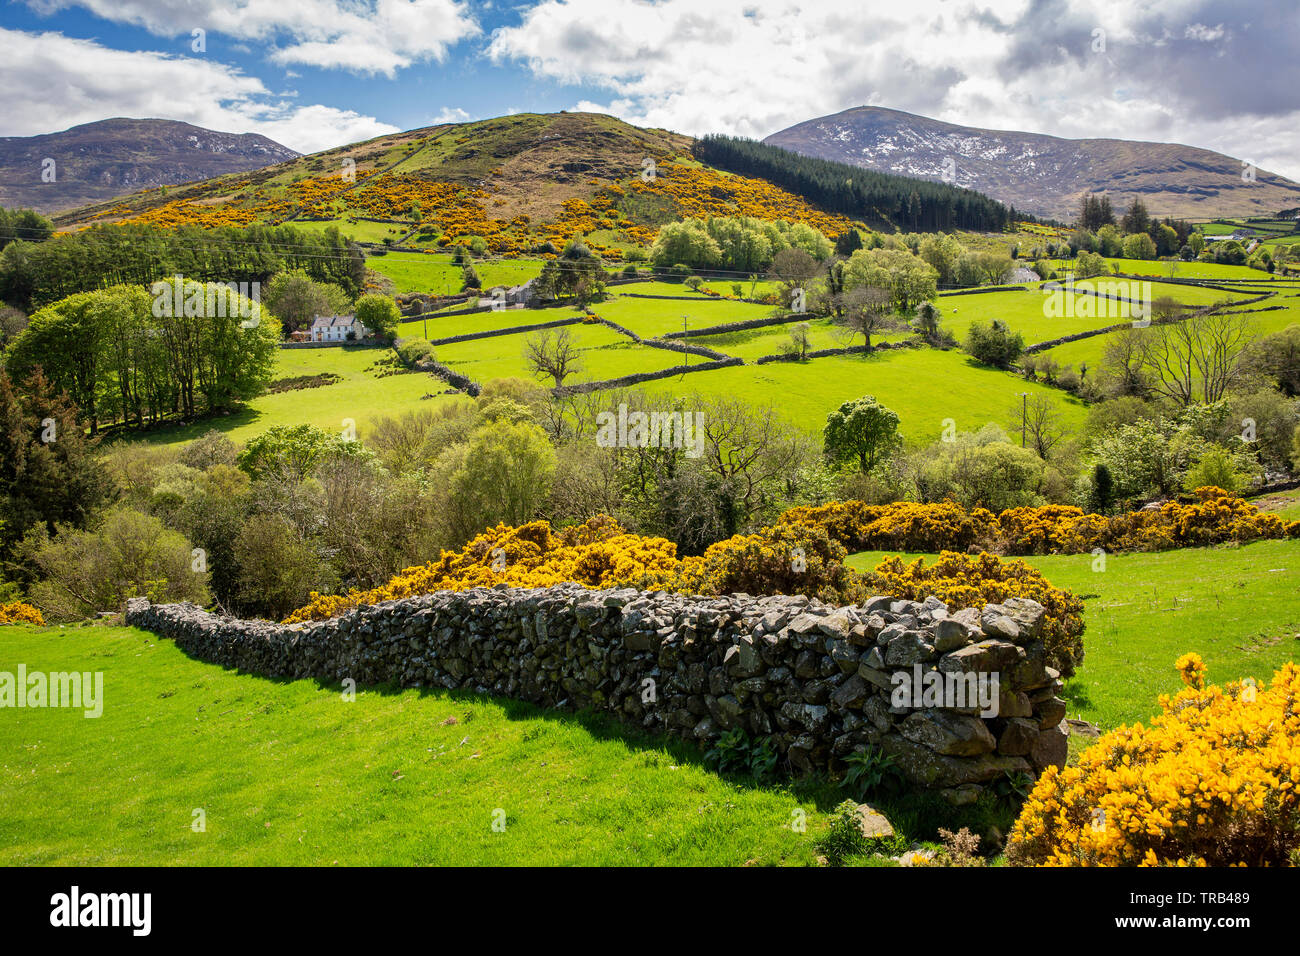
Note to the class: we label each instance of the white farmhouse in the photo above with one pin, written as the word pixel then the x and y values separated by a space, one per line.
pixel 337 328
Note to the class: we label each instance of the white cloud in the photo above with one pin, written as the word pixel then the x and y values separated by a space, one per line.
pixel 735 66
pixel 363 36
pixel 450 114
pixel 50 82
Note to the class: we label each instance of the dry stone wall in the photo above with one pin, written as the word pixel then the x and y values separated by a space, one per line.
pixel 821 682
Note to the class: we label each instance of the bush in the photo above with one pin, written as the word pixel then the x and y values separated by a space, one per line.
pixel 128 555
pixel 1212 782
pixel 414 351
pixel 994 344
pixel 598 553
pixel 1216 468
pixel 790 559
pixel 17 612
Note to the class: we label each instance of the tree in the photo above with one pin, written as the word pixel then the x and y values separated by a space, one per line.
pixel 278 568
pixel 295 298
pixel 1121 363
pixel 127 555
pixel 291 452
pixel 865 310
pixel 800 341
pixel 847 243
pixel 49 472
pixel 379 314
pixel 503 474
pixel 1041 420
pixel 554 354
pixel 1090 264
pixel 23 224
pixel 1137 219
pixel 794 265
pixel 863 431
pixel 994 266
pixel 1275 358
pixel 928 323
pixel 994 344
pixel 686 242
pixel 910 280
pixel 1195 360
pixel 1139 246
pixel 1101 495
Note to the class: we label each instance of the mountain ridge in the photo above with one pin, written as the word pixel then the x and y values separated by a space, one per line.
pixel 1043 174
pixel 107 158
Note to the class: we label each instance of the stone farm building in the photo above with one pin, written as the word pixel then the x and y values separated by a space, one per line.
pixel 337 328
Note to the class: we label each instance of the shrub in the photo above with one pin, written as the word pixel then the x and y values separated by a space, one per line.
pixel 791 559
pixel 1212 782
pixel 994 344
pixel 414 351
pixel 16 612
pixel 128 555
pixel 597 554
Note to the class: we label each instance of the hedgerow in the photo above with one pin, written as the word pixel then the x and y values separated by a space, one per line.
pixel 1212 516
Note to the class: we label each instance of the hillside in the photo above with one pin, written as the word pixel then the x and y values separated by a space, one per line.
pixel 98 161
pixel 1044 175
pixel 519 182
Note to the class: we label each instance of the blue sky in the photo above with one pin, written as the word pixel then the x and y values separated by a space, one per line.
pixel 319 73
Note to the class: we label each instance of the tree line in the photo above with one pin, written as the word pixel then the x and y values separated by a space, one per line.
pixel 36 273
pixel 915 204
pixel 140 356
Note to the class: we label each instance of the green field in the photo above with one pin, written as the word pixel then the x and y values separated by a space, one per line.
pixel 434 272
pixel 604 354
pixel 362 230
pixel 1238 607
pixel 362 395
pixel 1090 350
pixel 652 317
pixel 923 386
pixel 288 773
pixel 751 344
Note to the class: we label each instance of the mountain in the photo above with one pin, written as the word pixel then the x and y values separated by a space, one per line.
pixel 100 160
pixel 1044 175
pixel 528 182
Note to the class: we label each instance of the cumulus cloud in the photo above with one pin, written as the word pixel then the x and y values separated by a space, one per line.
pixel 49 82
pixel 362 36
pixel 449 114
pixel 1078 68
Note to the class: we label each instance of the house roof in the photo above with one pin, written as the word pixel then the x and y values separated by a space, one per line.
pixel 331 321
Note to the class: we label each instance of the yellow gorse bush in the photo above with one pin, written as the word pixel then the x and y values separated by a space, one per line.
pixel 1214 517
pixel 16 612
pixel 596 554
pixel 1212 782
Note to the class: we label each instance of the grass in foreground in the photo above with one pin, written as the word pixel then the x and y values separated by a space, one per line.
pixel 290 773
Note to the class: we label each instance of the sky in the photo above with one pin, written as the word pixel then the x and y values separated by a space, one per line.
pixel 313 74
